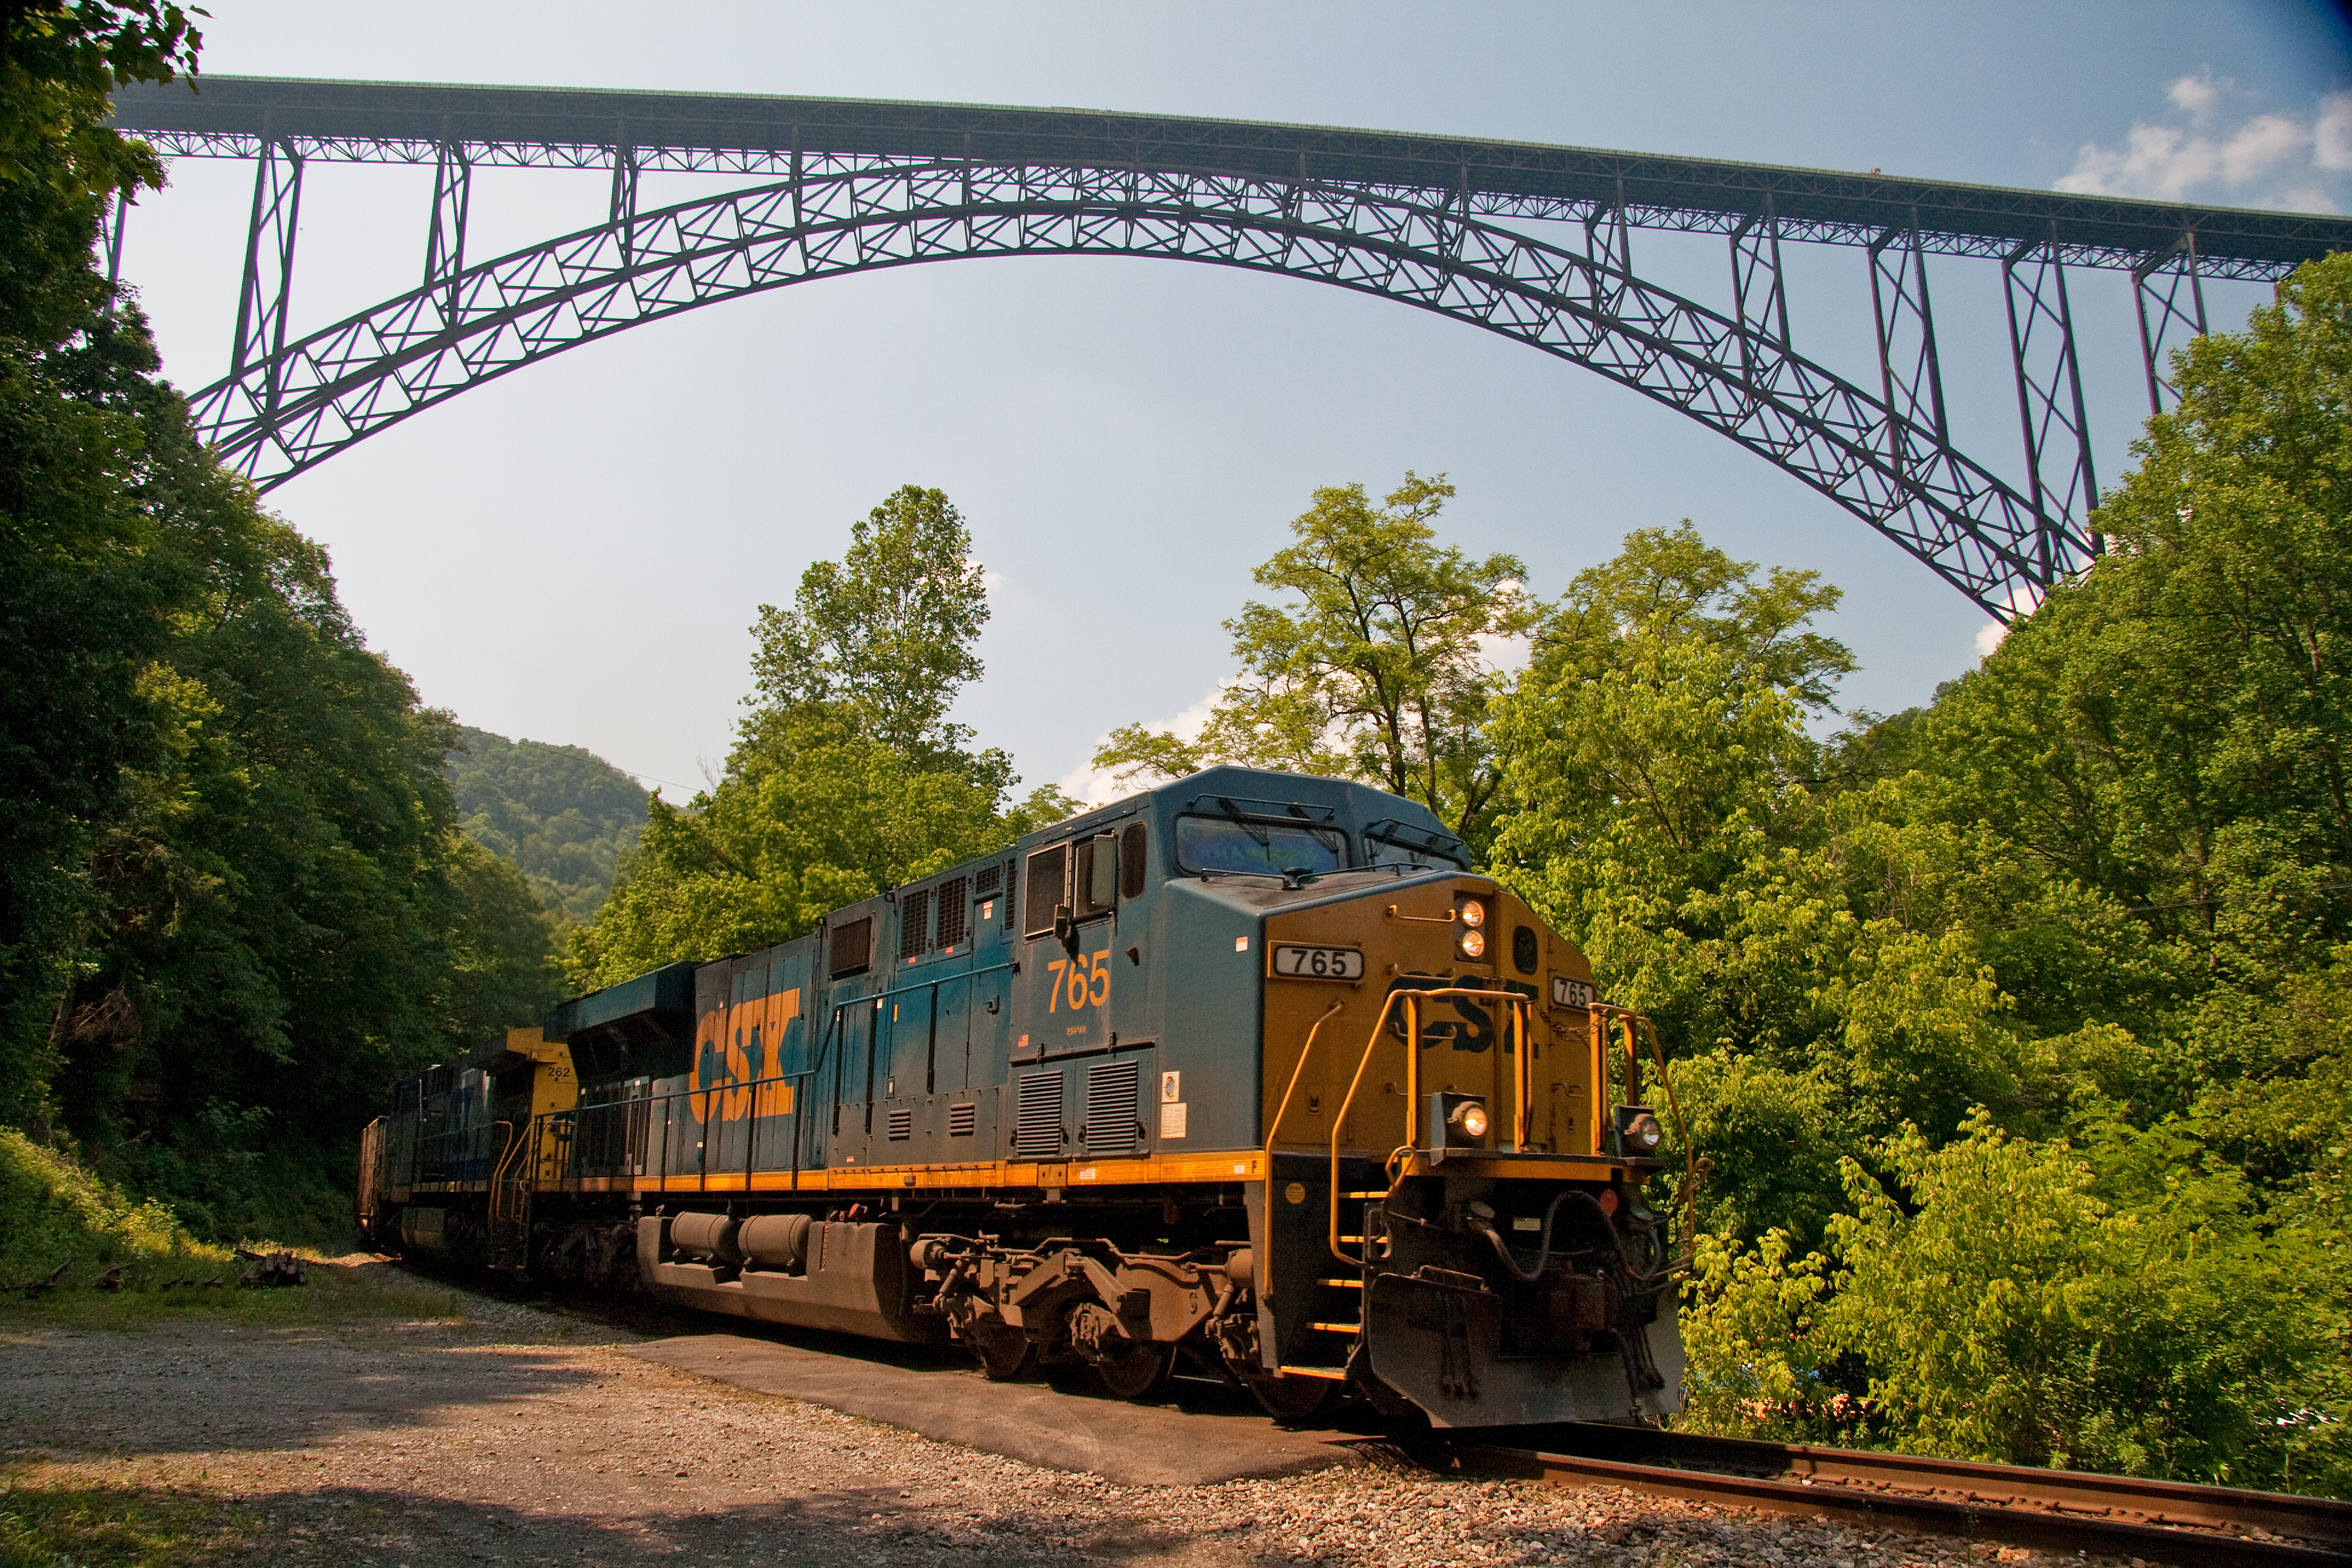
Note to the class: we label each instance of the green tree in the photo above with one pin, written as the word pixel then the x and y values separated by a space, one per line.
pixel 86 595
pixel 846 778
pixel 880 642
pixel 1374 669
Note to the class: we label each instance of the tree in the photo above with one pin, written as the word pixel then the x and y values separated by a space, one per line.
pixel 1374 671
pixel 86 597
pixel 879 642
pixel 846 778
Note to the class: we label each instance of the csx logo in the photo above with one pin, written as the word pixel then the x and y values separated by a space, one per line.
pixel 1457 1020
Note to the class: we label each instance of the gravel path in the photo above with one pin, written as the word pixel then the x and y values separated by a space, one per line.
pixel 519 1437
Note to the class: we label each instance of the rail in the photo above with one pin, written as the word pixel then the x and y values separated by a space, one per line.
pixel 2168 1521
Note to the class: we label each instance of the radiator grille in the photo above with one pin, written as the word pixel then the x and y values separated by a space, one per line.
pixel 991 879
pixel 1037 1125
pixel 963 1120
pixel 955 912
pixel 1110 1103
pixel 902 1122
pixel 853 947
pixel 915 924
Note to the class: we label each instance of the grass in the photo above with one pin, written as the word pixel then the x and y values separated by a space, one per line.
pixel 121 1527
pixel 53 1211
pixel 335 1293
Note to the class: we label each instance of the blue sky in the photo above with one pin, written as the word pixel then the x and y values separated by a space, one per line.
pixel 574 552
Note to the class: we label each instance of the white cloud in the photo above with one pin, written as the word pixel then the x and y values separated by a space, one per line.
pixel 2196 94
pixel 2332 135
pixel 2265 160
pixel 1988 638
pixel 1096 786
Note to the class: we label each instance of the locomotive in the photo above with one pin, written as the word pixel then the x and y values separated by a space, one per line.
pixel 1250 1070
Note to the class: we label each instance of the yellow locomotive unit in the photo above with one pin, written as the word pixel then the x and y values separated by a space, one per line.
pixel 1249 1069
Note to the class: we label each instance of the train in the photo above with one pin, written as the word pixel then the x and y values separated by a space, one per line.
pixel 1250 1073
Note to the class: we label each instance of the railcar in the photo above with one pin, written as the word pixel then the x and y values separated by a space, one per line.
pixel 1250 1069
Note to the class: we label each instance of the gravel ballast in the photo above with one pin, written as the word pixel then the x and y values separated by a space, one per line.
pixel 515 1435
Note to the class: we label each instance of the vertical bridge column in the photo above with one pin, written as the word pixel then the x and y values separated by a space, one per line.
pixel 1758 302
pixel 625 192
pixel 2050 402
pixel 1908 371
pixel 2159 283
pixel 444 239
pixel 268 269
pixel 111 220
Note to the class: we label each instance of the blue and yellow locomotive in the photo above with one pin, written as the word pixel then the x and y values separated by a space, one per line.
pixel 1248 1069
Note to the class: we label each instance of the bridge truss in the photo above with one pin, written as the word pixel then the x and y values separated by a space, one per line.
pixel 841 186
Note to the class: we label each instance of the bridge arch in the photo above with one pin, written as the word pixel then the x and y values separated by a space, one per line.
pixel 307 399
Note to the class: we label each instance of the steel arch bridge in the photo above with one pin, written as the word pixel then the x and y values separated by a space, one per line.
pixel 842 186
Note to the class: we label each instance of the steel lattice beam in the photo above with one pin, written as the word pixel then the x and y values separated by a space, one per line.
pixel 848 216
pixel 862 185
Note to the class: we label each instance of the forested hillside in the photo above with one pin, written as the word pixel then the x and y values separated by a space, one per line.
pixel 563 814
pixel 234 900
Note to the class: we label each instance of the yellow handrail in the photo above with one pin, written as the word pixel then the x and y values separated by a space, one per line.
pixel 1265 1265
pixel 1519 1004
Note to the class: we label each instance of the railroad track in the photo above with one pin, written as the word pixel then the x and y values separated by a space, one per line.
pixel 2069 1510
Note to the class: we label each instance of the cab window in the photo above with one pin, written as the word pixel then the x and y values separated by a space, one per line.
pixel 1383 849
pixel 1042 892
pixel 1230 844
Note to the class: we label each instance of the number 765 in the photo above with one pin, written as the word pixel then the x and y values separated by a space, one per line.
pixel 1080 982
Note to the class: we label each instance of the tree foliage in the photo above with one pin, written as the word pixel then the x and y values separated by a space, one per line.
pixel 232 899
pixel 2128 824
pixel 846 777
pixel 1374 669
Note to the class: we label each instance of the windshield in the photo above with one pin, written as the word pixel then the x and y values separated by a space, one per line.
pixel 1224 844
pixel 1384 851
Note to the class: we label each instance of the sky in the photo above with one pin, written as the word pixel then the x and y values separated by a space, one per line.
pixel 576 552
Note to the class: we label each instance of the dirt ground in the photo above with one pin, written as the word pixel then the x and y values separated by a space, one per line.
pixel 501 1433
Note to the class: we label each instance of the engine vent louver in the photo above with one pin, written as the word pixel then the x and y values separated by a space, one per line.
pixel 963 1120
pixel 1037 1125
pixel 955 912
pixel 902 1123
pixel 1110 1103
pixel 914 924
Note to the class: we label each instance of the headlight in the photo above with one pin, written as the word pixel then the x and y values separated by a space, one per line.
pixel 1474 943
pixel 1474 913
pixel 1472 1119
pixel 1645 1133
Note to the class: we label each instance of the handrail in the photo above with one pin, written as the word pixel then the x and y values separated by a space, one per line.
pixel 1519 1004
pixel 1265 1269
pixel 1447 918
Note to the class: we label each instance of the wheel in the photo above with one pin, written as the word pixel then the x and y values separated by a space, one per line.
pixel 1136 1374
pixel 1004 1353
pixel 1288 1397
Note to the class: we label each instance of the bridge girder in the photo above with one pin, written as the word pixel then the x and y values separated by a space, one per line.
pixel 869 185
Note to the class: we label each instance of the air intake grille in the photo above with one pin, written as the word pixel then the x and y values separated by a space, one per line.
pixel 902 1123
pixel 991 879
pixel 1110 1103
pixel 963 1120
pixel 914 924
pixel 1037 1128
pixel 955 912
